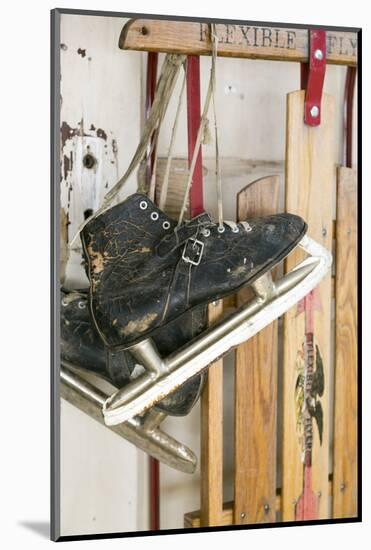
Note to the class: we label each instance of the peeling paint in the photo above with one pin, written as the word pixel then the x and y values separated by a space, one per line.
pixel 64 251
pixel 102 134
pixel 86 154
pixel 67 165
pixel 141 325
pixel 67 132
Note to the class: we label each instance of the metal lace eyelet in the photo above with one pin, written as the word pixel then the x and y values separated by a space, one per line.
pixel 166 225
pixel 64 302
pixel 154 216
pixel 206 232
pixel 247 227
pixel 236 229
pixel 221 229
pixel 82 305
pixel 143 205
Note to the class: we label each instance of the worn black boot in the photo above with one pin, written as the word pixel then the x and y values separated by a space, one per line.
pixel 144 271
pixel 82 347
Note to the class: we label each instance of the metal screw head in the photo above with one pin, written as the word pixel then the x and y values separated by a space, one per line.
pixel 324 232
pixel 243 515
pixel 314 111
pixel 266 508
pixel 318 54
pixel 342 487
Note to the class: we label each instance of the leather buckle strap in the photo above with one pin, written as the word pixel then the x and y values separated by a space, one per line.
pixel 181 235
pixel 192 251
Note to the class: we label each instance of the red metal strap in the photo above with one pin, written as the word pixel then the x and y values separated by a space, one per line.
pixel 348 115
pixel 154 466
pixel 312 77
pixel 194 119
pixel 152 62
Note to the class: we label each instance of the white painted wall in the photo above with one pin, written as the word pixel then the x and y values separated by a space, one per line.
pixel 103 477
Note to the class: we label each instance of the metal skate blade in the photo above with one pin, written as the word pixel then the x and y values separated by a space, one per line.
pixel 142 432
pixel 176 369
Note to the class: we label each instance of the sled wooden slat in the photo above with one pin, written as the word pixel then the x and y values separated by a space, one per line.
pixel 212 436
pixel 192 519
pixel 345 401
pixel 256 392
pixel 310 179
pixel 235 40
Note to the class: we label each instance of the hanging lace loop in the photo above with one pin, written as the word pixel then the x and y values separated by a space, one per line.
pixel 210 95
pixel 218 176
pixel 165 182
pixel 164 89
pixel 165 86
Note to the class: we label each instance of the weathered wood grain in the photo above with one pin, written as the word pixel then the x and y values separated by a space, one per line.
pixel 235 172
pixel 345 401
pixel 310 179
pixel 212 436
pixel 192 519
pixel 256 392
pixel 235 40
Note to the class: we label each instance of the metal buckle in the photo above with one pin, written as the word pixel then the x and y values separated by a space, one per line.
pixel 195 257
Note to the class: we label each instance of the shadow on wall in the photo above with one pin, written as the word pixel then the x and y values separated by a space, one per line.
pixel 41 528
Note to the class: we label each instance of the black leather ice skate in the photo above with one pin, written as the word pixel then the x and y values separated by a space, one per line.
pixel 145 271
pixel 82 347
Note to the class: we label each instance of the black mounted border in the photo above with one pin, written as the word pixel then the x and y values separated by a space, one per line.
pixel 56 14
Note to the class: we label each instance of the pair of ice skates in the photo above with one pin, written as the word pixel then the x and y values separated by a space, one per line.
pixel 141 325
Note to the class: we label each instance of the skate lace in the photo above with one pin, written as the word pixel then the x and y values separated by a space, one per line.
pixel 210 97
pixel 164 89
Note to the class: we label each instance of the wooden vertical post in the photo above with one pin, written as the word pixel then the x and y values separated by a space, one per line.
pixel 256 392
pixel 310 176
pixel 345 402
pixel 212 437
